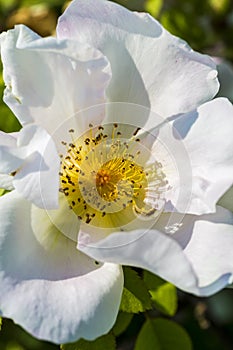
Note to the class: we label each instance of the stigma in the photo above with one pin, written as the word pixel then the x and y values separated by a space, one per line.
pixel 106 179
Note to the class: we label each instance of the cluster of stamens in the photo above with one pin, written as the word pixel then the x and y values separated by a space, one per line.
pixel 104 182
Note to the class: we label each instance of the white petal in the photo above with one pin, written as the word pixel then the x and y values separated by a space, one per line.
pixel 32 158
pixel 148 249
pixel 55 292
pixel 49 80
pixel 192 252
pixel 150 67
pixel 63 218
pixel 206 171
pixel 8 139
pixel 8 160
pixel 38 179
pixel 11 158
pixel 207 242
pixel 6 182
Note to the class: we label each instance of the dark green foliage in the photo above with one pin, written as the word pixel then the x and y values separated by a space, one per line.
pixel 162 334
pixel 105 342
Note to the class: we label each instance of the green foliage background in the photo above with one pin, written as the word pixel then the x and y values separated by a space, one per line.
pixel 152 314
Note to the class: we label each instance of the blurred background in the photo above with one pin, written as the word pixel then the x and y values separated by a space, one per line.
pixel 208 27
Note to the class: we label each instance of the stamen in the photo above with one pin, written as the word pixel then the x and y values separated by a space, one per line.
pixel 103 181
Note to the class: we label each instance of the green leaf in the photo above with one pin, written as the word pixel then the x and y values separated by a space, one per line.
pixel 154 7
pixel 0 323
pixel 219 6
pixel 5 5
pixel 163 294
pixel 152 281
pixel 106 342
pixel 122 322
pixel 162 334
pixel 165 299
pixel 36 2
pixel 136 297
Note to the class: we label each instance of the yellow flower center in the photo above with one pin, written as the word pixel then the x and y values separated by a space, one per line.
pixel 105 180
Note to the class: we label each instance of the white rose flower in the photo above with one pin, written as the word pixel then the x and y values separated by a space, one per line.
pixel 117 163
